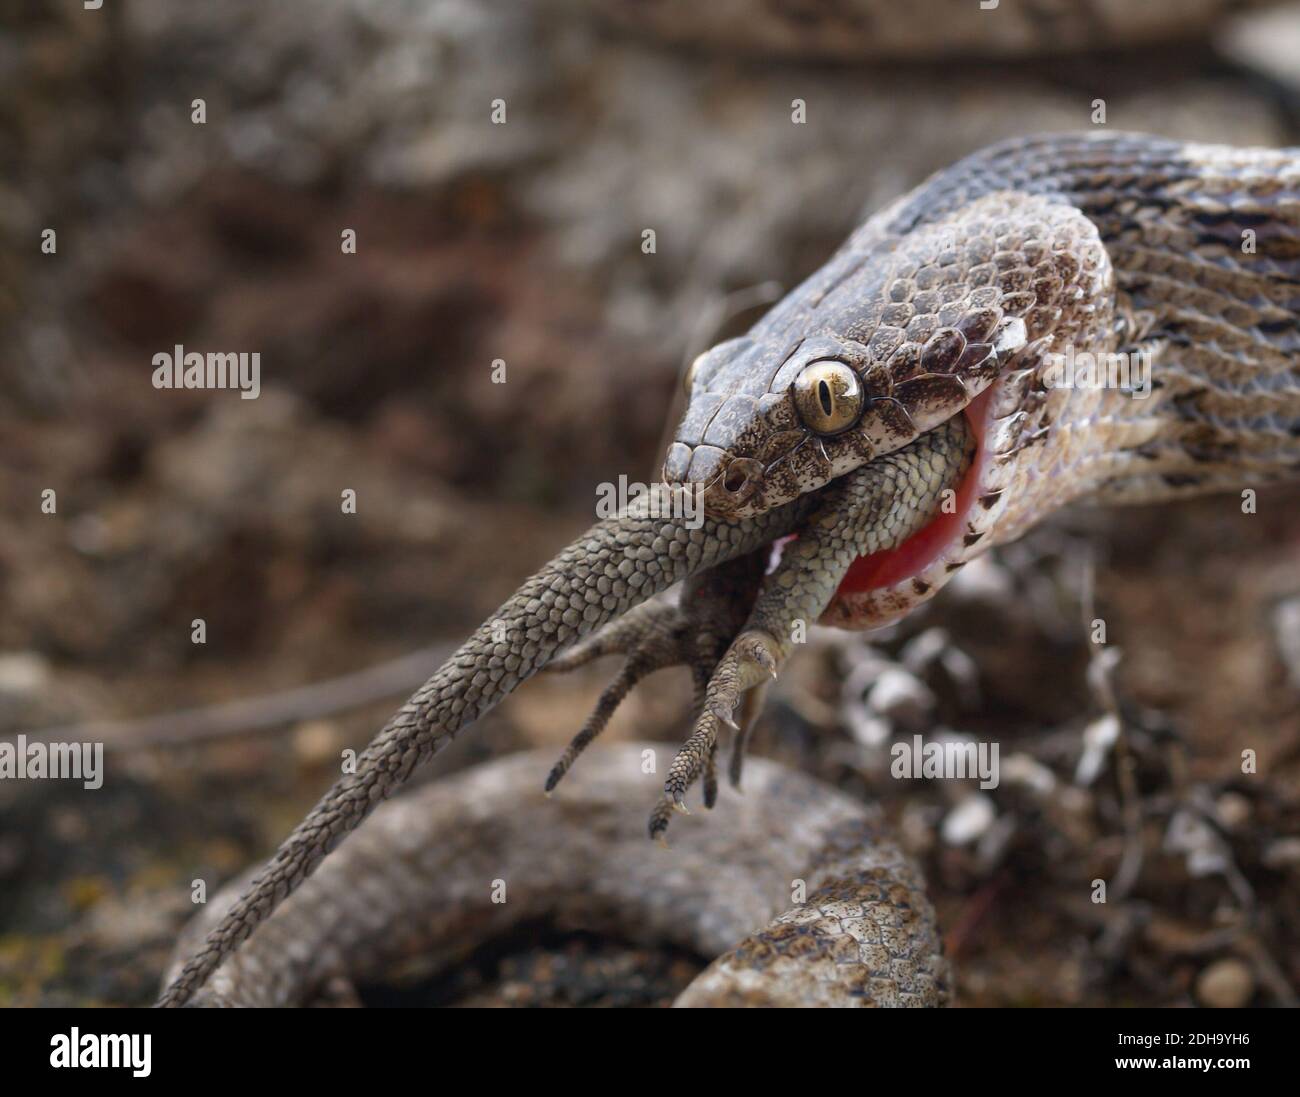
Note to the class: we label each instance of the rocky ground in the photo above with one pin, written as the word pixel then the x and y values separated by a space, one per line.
pixel 523 242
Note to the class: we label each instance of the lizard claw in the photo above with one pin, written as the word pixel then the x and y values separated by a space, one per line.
pixel 725 716
pixel 741 674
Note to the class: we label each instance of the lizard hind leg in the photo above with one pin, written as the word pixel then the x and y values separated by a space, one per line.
pixel 693 633
pixel 655 649
pixel 738 678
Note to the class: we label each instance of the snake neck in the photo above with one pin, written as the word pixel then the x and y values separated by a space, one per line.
pixel 1182 378
pixel 1195 384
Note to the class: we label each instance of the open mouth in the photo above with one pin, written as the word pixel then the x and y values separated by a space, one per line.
pixel 884 585
pixel 918 552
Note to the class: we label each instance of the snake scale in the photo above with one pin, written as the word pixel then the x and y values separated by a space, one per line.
pixel 401 889
pixel 899 412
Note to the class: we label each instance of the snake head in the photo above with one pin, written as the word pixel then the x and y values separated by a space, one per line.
pixel 762 428
pixel 904 327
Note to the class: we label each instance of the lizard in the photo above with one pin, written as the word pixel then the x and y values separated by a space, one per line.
pixel 900 412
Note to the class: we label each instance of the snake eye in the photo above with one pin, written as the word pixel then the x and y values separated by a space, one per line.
pixel 828 397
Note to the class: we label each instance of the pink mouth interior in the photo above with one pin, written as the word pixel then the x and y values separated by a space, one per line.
pixel 891 566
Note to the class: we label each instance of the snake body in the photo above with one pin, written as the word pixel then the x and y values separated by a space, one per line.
pixel 400 888
pixel 845 416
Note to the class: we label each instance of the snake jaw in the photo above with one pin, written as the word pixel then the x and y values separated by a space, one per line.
pixel 885 586
pixel 748 453
pixel 989 509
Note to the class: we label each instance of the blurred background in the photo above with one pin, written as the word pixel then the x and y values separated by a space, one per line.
pixel 523 242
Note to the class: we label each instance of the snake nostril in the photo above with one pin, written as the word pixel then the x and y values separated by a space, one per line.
pixel 742 478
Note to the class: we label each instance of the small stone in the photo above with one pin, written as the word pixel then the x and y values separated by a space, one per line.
pixel 1098 738
pixel 1205 852
pixel 23 673
pixel 901 697
pixel 1026 772
pixel 1233 810
pixel 934 648
pixel 1225 984
pixel 969 820
pixel 923 649
pixel 867 728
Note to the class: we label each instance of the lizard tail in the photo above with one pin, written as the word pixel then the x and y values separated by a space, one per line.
pixel 615 565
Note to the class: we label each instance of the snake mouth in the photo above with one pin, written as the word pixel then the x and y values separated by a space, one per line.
pixel 884 586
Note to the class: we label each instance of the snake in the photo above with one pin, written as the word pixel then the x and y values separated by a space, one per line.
pixel 398 890
pixel 1098 317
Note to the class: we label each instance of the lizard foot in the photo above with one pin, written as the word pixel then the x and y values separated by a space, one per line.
pixel 652 637
pixel 740 679
pixel 693 633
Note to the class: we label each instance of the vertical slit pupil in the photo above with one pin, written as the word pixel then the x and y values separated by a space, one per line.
pixel 824 396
